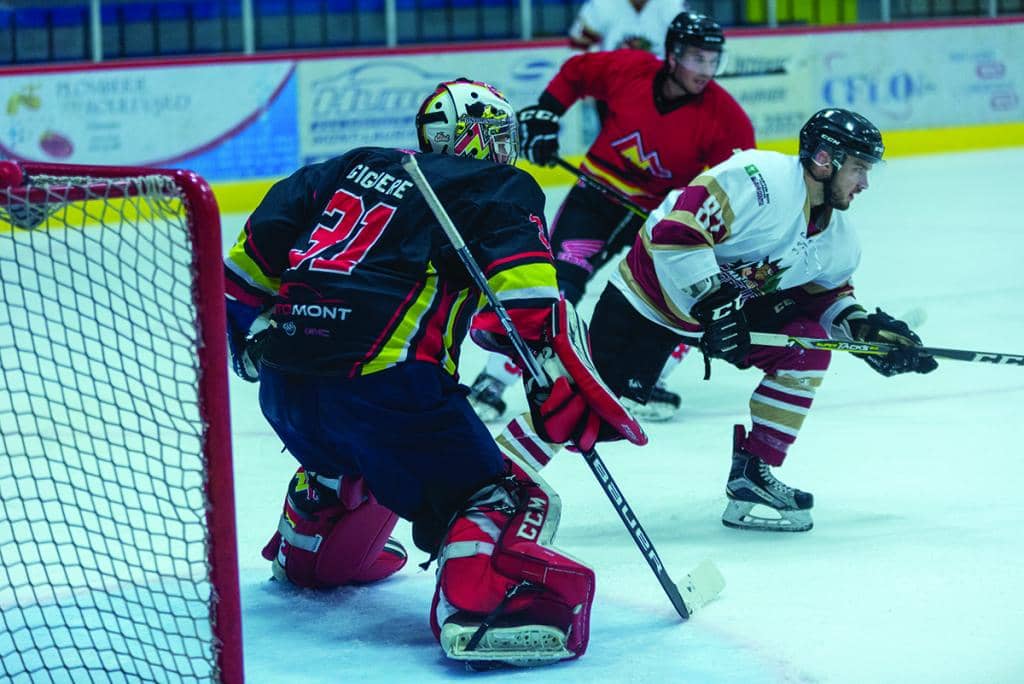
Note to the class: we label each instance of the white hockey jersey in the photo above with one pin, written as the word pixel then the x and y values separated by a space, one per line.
pixel 615 24
pixel 749 220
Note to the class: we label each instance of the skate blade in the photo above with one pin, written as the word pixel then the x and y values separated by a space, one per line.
pixel 655 412
pixel 522 646
pixel 744 515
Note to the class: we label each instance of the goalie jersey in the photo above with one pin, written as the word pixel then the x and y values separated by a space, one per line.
pixel 359 276
pixel 748 220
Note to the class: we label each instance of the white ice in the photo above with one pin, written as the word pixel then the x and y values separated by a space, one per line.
pixel 914 571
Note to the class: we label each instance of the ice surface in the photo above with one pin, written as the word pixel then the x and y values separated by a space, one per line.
pixel 914 571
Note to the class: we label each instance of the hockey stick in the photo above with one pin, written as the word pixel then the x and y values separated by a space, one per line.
pixel 881 348
pixel 763 339
pixel 740 73
pixel 606 190
pixel 705 582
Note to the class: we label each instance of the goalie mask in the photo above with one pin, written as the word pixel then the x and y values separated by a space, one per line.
pixel 470 119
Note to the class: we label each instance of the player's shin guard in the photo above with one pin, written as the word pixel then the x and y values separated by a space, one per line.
pixel 333 532
pixel 504 595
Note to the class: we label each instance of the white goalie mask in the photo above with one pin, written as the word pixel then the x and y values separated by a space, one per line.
pixel 468 118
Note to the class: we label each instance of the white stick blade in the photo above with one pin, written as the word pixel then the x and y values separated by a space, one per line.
pixel 702 586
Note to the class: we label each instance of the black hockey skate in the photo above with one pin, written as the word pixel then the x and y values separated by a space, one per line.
pixel 751 484
pixel 661 406
pixel 485 398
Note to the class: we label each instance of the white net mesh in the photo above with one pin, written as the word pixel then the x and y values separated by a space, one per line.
pixel 103 536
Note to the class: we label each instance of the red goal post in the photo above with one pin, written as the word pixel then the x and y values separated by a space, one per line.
pixel 117 513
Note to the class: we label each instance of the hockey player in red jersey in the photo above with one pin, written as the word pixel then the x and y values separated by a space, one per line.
pixel 665 122
pixel 369 306
pixel 759 242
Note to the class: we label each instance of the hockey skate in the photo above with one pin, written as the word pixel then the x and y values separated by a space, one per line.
pixel 660 407
pixel 485 398
pixel 752 490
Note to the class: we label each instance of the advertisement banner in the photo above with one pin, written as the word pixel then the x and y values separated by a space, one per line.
pixel 346 103
pixel 136 116
pixel 924 78
pixel 772 77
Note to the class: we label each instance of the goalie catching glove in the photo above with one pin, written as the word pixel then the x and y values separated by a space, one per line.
pixel 881 327
pixel 246 350
pixel 572 403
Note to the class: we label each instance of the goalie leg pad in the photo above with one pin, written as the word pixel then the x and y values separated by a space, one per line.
pixel 333 532
pixel 504 595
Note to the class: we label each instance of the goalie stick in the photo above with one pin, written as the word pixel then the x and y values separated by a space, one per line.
pixel 705 582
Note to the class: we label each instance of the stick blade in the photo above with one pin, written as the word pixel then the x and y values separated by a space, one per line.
pixel 702 586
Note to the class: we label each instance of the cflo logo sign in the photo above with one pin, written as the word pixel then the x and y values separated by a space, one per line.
pixel 893 93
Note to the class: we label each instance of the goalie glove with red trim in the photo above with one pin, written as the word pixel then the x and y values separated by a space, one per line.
pixel 575 405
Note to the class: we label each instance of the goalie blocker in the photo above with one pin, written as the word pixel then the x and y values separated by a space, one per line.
pixel 570 402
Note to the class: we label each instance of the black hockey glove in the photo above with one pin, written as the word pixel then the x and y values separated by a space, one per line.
pixel 881 327
pixel 726 332
pixel 770 312
pixel 538 135
pixel 247 352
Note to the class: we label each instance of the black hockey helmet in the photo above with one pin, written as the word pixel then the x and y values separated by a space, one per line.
pixel 841 132
pixel 697 30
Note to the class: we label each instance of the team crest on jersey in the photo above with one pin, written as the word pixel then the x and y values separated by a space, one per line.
pixel 631 147
pixel 755 277
pixel 635 42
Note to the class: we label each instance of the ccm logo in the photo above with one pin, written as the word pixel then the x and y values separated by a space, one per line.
pixel 533 519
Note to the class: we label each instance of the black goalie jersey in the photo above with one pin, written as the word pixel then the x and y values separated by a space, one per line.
pixel 359 275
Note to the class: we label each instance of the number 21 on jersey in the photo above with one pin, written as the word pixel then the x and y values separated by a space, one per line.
pixel 346 232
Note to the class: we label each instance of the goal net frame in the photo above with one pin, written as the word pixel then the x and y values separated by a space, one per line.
pixel 207 290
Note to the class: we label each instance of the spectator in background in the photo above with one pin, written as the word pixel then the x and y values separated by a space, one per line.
pixel 615 24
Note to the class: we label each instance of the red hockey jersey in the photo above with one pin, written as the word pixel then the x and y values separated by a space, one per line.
pixel 641 151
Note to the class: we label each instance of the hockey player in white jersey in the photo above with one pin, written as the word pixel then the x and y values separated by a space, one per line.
pixel 758 242
pixel 617 24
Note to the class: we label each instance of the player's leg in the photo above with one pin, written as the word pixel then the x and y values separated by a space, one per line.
pixel 483 520
pixel 588 230
pixel 663 403
pixel 630 353
pixel 505 595
pixel 485 394
pixel 332 530
pixel 778 406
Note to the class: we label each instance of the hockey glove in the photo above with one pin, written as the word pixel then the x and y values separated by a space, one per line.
pixel 771 312
pixel 726 331
pixel 574 405
pixel 881 327
pixel 246 351
pixel 538 133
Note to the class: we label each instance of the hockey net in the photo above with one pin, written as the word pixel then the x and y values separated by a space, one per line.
pixel 118 558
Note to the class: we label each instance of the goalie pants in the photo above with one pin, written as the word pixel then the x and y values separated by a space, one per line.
pixel 630 350
pixel 408 431
pixel 588 230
